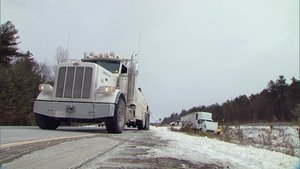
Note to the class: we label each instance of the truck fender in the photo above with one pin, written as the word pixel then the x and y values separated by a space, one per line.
pixel 120 95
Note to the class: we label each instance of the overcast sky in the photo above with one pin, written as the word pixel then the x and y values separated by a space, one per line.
pixel 192 52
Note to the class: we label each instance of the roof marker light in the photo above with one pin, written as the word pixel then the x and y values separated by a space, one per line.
pixel 112 54
pixel 92 54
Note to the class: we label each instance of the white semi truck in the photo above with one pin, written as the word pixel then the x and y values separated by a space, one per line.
pixel 200 120
pixel 99 88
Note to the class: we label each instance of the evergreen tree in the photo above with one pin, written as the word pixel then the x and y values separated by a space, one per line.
pixel 26 79
pixel 7 94
pixel 8 44
pixel 19 80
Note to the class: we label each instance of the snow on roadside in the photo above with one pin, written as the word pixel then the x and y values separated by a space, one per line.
pixel 278 138
pixel 210 151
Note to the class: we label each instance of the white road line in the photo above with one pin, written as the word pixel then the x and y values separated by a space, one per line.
pixel 42 140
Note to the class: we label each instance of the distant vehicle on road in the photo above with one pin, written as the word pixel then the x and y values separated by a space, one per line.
pixel 172 124
pixel 201 121
pixel 175 123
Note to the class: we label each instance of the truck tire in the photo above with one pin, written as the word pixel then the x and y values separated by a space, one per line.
pixel 46 122
pixel 143 124
pixel 147 120
pixel 140 124
pixel 116 124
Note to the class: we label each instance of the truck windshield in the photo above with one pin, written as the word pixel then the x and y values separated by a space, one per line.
pixel 112 66
pixel 202 120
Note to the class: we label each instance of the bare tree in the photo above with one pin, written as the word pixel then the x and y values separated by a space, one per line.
pixel 62 55
pixel 46 72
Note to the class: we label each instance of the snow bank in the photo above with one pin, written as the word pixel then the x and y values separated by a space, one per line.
pixel 210 151
pixel 283 139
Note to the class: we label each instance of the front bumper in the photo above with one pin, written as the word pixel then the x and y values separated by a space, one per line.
pixel 76 110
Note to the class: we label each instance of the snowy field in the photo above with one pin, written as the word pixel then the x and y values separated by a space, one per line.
pixel 228 155
pixel 276 138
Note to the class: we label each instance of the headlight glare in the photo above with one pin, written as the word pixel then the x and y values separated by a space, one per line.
pixel 106 89
pixel 46 88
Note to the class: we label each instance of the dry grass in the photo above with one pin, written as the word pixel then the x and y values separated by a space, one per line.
pixel 266 138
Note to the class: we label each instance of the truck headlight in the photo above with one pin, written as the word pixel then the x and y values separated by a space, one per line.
pixel 46 88
pixel 106 89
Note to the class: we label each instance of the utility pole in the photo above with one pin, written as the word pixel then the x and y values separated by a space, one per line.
pixel 139 46
pixel 68 43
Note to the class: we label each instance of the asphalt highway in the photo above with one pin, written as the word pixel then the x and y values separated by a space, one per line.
pixel 82 148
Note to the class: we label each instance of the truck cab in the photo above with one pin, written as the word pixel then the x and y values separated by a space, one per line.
pixel 207 125
pixel 200 121
pixel 205 122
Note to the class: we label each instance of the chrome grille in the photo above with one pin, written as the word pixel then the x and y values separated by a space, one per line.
pixel 74 82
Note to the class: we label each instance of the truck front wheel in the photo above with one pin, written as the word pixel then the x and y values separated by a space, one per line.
pixel 45 122
pixel 116 124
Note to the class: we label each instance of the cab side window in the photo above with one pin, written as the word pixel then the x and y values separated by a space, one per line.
pixel 123 69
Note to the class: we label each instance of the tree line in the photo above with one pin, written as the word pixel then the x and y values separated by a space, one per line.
pixel 277 102
pixel 20 76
